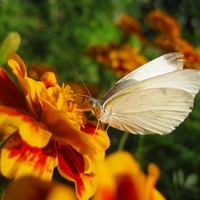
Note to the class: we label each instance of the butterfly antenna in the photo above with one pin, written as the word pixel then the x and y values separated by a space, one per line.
pixel 81 80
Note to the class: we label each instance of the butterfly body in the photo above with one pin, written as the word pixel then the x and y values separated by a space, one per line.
pixel 154 98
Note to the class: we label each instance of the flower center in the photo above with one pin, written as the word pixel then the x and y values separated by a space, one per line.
pixel 61 98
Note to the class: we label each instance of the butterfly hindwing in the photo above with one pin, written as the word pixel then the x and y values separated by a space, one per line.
pixel 154 110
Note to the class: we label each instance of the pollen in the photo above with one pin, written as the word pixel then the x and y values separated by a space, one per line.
pixel 75 114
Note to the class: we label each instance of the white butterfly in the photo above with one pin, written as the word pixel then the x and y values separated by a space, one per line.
pixel 154 98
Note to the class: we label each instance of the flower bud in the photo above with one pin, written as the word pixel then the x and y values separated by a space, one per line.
pixel 11 43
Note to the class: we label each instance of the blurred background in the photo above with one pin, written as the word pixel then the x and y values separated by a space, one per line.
pixel 105 40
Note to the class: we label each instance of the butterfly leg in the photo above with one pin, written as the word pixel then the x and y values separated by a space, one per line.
pixel 95 130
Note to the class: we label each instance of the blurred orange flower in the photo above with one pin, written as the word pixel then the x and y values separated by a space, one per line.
pixel 36 70
pixel 122 179
pixel 28 187
pixel 51 131
pixel 161 21
pixel 122 60
pixel 169 43
pixel 130 26
pixel 100 52
pixel 125 60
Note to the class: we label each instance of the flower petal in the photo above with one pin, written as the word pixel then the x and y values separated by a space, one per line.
pixel 100 139
pixel 65 130
pixel 71 166
pixel 20 68
pixel 91 161
pixel 29 86
pixel 9 94
pixel 153 175
pixel 31 131
pixel 19 159
pixel 36 189
pixel 100 142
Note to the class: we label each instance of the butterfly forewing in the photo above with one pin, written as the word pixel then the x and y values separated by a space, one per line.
pixel 164 64
pixel 188 80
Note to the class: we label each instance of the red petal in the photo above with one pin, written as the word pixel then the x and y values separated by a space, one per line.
pixel 9 94
pixel 71 166
pixel 19 159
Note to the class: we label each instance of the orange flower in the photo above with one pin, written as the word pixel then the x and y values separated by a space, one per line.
pixel 36 70
pixel 125 60
pixel 100 52
pixel 121 60
pixel 169 43
pixel 51 131
pixel 122 179
pixel 166 42
pixel 27 188
pixel 161 21
pixel 130 26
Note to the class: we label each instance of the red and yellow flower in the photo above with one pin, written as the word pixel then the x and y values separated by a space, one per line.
pixel 52 131
pixel 122 179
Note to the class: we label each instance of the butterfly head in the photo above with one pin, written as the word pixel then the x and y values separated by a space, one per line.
pixel 96 106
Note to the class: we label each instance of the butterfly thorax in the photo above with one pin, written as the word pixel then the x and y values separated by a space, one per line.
pixel 99 110
pixel 96 106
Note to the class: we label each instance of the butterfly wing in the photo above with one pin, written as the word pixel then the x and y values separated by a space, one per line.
pixel 155 105
pixel 164 64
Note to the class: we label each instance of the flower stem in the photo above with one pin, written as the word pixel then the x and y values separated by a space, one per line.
pixel 139 154
pixel 123 141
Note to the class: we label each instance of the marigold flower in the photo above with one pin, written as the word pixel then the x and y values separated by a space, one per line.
pixel 51 131
pixel 161 21
pixel 125 60
pixel 121 178
pixel 130 26
pixel 169 43
pixel 28 187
